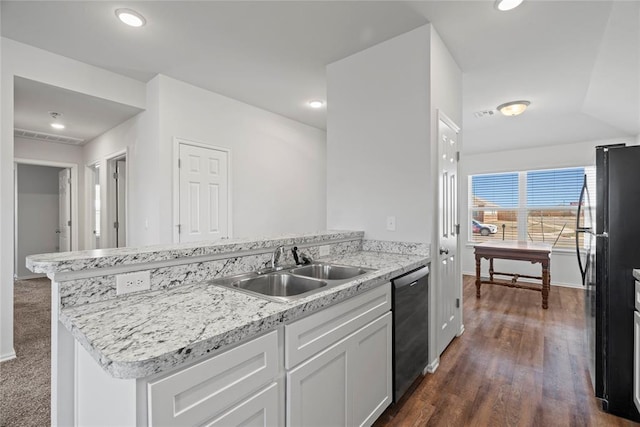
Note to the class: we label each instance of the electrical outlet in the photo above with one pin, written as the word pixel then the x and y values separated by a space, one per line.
pixel 391 223
pixel 324 250
pixel 133 282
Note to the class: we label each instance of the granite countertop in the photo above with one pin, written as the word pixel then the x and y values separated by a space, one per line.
pixel 151 332
pixel 101 258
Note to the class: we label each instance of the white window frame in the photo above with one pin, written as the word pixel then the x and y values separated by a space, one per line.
pixel 522 210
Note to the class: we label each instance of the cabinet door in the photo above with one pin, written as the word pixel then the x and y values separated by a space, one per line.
pixel 261 410
pixel 636 359
pixel 317 390
pixel 371 381
pixel 348 384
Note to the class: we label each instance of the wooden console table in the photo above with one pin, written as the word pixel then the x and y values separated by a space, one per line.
pixel 520 251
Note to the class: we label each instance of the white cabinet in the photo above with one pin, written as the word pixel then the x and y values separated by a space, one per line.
pixel 260 410
pixel 636 359
pixel 201 392
pixel 350 382
pixel 317 390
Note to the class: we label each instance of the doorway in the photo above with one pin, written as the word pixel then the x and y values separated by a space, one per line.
pixel 44 211
pixel 117 201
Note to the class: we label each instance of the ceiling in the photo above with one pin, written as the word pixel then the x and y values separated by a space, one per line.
pixel 84 116
pixel 576 61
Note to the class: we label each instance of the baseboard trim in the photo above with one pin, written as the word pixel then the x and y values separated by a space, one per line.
pixel 8 356
pixel 431 367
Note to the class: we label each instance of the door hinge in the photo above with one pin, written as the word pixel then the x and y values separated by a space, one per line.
pixel 457 228
pixel 457 302
pixel 69 181
pixel 116 225
pixel 457 156
pixel 115 175
pixel 179 163
pixel 69 223
pixel 179 228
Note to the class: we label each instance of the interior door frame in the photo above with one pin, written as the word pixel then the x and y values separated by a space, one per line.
pixel 110 213
pixel 176 183
pixel 74 201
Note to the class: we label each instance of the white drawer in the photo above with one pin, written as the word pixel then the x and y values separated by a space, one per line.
pixel 637 303
pixel 308 336
pixel 259 410
pixel 199 392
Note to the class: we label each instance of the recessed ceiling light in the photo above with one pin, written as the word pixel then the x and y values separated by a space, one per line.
pixel 130 17
pixel 57 125
pixel 504 5
pixel 513 108
pixel 316 103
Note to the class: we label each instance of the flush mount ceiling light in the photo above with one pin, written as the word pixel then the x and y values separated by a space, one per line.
pixel 55 116
pixel 504 5
pixel 130 17
pixel 316 103
pixel 513 108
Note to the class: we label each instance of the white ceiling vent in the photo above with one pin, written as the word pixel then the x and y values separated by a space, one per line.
pixel 485 113
pixel 41 136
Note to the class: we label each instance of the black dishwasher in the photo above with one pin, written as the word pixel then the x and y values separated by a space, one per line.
pixel 410 328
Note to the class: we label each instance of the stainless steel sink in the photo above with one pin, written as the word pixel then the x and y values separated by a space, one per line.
pixel 290 283
pixel 279 284
pixel 328 271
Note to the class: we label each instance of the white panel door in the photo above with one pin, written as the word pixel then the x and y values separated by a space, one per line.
pixel 448 285
pixel 204 194
pixel 64 216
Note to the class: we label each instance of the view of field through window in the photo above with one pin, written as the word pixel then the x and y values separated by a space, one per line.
pixel 539 206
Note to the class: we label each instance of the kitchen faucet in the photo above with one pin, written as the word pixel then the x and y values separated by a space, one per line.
pixel 275 257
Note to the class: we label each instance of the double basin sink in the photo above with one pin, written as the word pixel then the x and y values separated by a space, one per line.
pixel 291 283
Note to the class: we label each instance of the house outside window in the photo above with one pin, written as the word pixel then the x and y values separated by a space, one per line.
pixel 536 205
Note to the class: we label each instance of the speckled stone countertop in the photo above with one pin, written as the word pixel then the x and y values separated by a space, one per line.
pixel 101 258
pixel 636 273
pixel 151 332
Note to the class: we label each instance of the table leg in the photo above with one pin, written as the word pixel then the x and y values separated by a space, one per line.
pixel 478 281
pixel 546 278
pixel 491 269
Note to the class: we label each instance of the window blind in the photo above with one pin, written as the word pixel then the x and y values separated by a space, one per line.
pixel 553 188
pixel 494 191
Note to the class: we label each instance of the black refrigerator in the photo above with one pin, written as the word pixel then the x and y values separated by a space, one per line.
pixel 608 247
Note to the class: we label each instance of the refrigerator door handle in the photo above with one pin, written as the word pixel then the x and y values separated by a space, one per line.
pixel 579 229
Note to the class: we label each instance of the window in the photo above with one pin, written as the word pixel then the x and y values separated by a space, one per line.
pixel 538 206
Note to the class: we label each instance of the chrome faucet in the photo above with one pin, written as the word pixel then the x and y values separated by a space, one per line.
pixel 275 257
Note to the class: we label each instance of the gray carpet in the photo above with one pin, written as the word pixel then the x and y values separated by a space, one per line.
pixel 25 382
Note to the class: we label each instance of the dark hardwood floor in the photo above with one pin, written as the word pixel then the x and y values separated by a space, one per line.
pixel 515 365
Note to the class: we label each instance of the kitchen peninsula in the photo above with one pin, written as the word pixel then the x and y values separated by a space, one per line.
pixel 165 355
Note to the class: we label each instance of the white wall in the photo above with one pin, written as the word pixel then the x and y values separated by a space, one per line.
pixel 36 64
pixel 38 213
pixel 378 131
pixel 278 165
pixel 564 266
pixel 382 121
